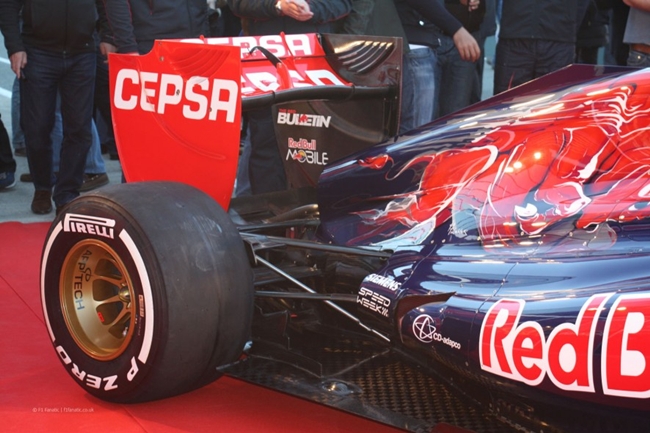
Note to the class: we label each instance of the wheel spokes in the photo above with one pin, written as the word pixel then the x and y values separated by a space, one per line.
pixel 96 299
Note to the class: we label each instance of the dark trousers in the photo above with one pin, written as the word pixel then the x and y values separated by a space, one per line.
pixel 518 61
pixel 103 102
pixel 265 166
pixel 73 76
pixel 7 161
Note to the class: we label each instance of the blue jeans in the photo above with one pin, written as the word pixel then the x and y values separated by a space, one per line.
pixel 418 88
pixel 455 78
pixel 17 136
pixel 73 76
pixel 638 59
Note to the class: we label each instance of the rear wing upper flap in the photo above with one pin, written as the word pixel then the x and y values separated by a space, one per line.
pixel 335 67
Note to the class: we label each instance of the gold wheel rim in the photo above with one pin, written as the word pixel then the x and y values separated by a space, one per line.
pixel 97 300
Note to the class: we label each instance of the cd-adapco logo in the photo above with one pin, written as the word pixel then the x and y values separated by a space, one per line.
pixel 425 331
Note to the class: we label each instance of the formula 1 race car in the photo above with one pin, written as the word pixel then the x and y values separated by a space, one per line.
pixel 487 271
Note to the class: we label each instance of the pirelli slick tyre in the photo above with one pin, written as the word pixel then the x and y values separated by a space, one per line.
pixel 146 289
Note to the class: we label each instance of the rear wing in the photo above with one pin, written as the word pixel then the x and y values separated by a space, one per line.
pixel 177 111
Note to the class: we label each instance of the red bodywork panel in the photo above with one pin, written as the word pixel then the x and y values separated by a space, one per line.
pixel 177 110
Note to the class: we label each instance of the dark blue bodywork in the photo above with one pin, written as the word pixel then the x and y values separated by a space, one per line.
pixel 564 284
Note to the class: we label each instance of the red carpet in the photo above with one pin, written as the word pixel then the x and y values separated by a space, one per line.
pixel 36 394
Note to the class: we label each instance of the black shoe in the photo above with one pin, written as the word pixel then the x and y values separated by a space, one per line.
pixel 42 202
pixel 113 156
pixel 21 151
pixel 92 181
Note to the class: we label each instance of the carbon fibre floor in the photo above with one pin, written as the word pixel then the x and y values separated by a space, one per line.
pixel 357 376
pixel 369 380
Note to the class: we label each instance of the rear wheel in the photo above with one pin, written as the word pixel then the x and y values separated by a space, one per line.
pixel 146 289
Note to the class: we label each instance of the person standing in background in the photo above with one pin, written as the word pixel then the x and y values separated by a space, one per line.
pixel 17 136
pixel 270 17
pixel 592 33
pixel 95 170
pixel 423 21
pixel 617 50
pixel 637 33
pixel 54 51
pixel 378 18
pixel 360 19
pixel 535 38
pixel 455 76
pixel 7 161
pixel 136 24
pixel 102 105
pixel 488 28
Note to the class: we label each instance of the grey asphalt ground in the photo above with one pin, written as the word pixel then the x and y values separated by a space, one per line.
pixel 15 203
